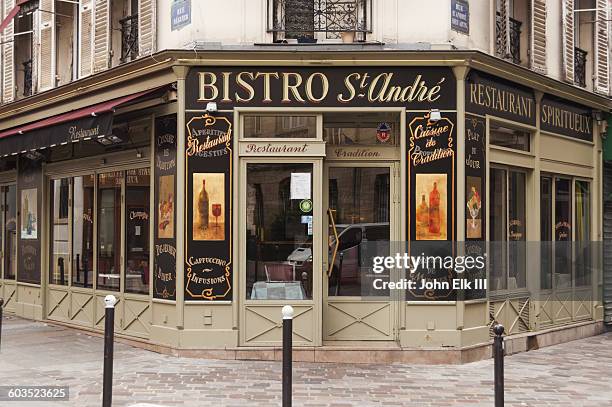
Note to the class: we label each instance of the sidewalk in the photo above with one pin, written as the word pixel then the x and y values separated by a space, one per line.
pixel 574 374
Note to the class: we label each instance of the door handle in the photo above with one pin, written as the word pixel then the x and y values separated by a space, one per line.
pixel 330 267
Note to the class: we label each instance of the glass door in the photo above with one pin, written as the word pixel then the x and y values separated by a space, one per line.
pixel 361 217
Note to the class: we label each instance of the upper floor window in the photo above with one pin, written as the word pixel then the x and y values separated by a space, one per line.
pixel 311 21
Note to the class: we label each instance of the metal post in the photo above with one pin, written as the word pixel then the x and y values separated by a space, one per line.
pixel 287 355
pixel 498 361
pixel 1 308
pixel 109 333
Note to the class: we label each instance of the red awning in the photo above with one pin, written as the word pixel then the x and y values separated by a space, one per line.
pixel 12 14
pixel 75 114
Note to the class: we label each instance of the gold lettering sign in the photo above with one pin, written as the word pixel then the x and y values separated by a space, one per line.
pixel 313 87
pixel 564 119
pixel 501 100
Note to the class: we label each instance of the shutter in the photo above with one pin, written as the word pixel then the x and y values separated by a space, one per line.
pixel 46 47
pixel 101 36
pixel 85 38
pixel 147 27
pixel 568 40
pixel 8 57
pixel 538 36
pixel 602 62
pixel 503 26
pixel 607 245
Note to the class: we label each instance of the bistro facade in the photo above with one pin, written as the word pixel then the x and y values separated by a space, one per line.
pixel 208 193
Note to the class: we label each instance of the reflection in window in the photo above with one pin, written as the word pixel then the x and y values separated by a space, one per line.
pixel 59 267
pixel 509 138
pixel 137 216
pixel 109 230
pixel 359 217
pixel 361 129
pixel 507 230
pixel 546 229
pixel 83 230
pixel 287 126
pixel 583 234
pixel 10 231
pixel 279 228
pixel 563 233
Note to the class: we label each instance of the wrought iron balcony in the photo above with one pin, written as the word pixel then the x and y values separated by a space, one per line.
pixel 514 37
pixel 129 38
pixel 306 19
pixel 27 78
pixel 580 67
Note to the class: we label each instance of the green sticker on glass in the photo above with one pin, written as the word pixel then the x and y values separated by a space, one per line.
pixel 306 205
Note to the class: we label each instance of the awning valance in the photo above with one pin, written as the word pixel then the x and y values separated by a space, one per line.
pixel 92 122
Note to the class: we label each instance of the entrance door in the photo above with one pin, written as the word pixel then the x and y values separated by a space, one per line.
pixel 361 219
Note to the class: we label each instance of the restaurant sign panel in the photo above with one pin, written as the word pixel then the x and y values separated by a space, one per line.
pixel 565 118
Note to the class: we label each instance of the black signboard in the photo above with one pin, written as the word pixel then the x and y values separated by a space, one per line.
pixel 208 255
pixel 29 216
pixel 84 128
pixel 566 118
pixel 475 199
pixel 164 256
pixel 486 94
pixel 432 199
pixel 411 87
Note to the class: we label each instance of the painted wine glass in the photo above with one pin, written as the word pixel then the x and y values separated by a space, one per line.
pixel 216 211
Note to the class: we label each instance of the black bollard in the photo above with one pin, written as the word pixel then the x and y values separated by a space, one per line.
pixel 109 333
pixel 287 355
pixel 1 307
pixel 498 361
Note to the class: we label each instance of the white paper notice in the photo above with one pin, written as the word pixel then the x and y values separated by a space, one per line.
pixel 300 185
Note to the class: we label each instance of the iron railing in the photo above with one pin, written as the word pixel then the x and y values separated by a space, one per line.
pixel 580 67
pixel 515 39
pixel 27 78
pixel 304 19
pixel 129 38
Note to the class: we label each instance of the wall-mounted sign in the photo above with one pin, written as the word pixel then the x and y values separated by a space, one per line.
pixel 164 264
pixel 460 16
pixel 208 273
pixel 486 94
pixel 412 87
pixel 475 163
pixel 180 14
pixel 29 186
pixel 562 117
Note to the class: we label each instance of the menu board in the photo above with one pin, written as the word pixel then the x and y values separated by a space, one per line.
pixel 164 275
pixel 208 252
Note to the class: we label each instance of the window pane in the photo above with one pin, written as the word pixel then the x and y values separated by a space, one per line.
pixel 280 126
pixel 517 260
pixel 546 233
pixel 137 193
pixel 10 240
pixel 359 201
pixel 82 230
pixel 563 234
pixel 109 230
pixel 583 234
pixel 497 229
pixel 279 231
pixel 59 267
pixel 509 138
pixel 378 129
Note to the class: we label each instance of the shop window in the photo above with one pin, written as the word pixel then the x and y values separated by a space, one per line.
pixel 109 230
pixel 83 230
pixel 507 230
pixel 546 231
pixel 8 195
pixel 563 233
pixel 287 126
pixel 361 129
pixel 279 230
pixel 583 234
pixel 59 267
pixel 137 218
pixel 509 138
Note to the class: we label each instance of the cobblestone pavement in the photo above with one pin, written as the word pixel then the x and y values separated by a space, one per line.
pixel 573 374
